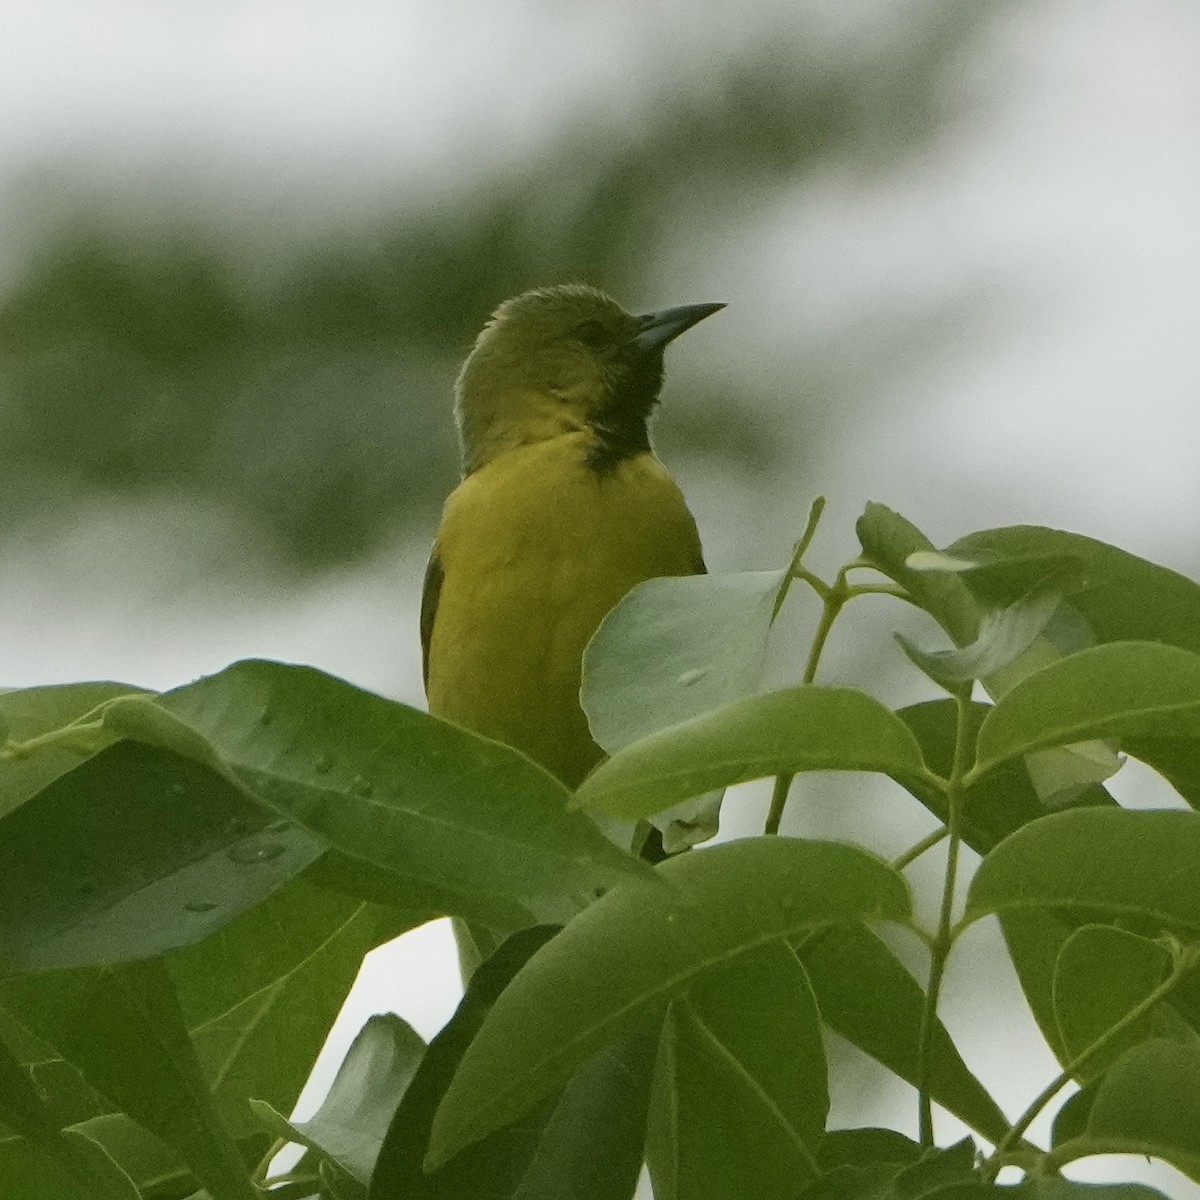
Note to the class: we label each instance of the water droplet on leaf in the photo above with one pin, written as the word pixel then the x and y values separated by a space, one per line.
pixel 254 852
pixel 360 786
pixel 693 676
pixel 199 906
pixel 324 764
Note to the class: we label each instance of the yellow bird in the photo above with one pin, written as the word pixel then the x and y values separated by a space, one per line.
pixel 562 509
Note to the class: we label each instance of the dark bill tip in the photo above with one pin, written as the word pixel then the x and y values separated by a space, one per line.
pixel 656 329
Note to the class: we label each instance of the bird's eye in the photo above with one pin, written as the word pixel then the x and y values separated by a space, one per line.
pixel 591 333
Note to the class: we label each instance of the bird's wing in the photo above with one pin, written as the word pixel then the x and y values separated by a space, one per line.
pixel 434 575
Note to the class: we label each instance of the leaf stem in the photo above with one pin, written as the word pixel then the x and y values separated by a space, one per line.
pixel 943 940
pixel 779 795
pixel 915 851
pixel 833 599
pixel 795 570
pixel 264 1164
pixel 878 589
pixel 833 602
pixel 1184 961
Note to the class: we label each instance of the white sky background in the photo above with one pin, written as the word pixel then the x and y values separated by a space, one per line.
pixel 1065 184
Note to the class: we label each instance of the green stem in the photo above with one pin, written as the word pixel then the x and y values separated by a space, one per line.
pixel 264 1163
pixel 833 600
pixel 779 795
pixel 878 589
pixel 914 852
pixel 813 580
pixel 795 570
pixel 943 940
pixel 1183 963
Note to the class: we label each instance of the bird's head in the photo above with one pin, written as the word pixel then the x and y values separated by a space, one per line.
pixel 564 359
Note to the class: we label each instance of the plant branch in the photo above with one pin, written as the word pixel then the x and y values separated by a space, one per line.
pixel 943 940
pixel 795 570
pixel 915 851
pixel 779 795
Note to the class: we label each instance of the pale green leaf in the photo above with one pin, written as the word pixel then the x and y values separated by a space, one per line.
pixel 675 648
pixel 349 1126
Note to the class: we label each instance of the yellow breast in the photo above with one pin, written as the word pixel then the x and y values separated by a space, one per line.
pixel 536 547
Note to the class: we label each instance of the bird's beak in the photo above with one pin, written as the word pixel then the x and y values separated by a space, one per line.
pixel 656 329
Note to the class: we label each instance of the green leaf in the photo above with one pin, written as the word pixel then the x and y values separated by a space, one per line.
pixel 785 732
pixel 873 1182
pixel 1071 1119
pixel 350 1124
pixel 76 1170
pixel 938 1169
pixel 90 1170
pixel 672 649
pixel 1035 937
pixel 65 1092
pixel 147 1160
pixel 1147 1103
pixel 1097 860
pixel 867 995
pixel 586 1142
pixel 997 579
pixel 998 802
pixel 1121 689
pixel 741 1092
pixel 1054 858
pixel 868 1146
pixel 592 1142
pixel 20 1105
pixel 675 648
pixel 1175 758
pixel 1003 636
pixel 888 541
pixel 1057 1188
pixel 259 997
pixel 466 826
pixel 959 588
pixel 1101 974
pixel 122 1027
pixel 640 946
pixel 34 712
pixel 1122 597
pixel 133 853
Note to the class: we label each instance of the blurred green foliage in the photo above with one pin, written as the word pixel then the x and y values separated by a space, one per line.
pixel 310 393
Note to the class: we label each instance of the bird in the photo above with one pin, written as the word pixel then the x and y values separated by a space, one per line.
pixel 562 509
